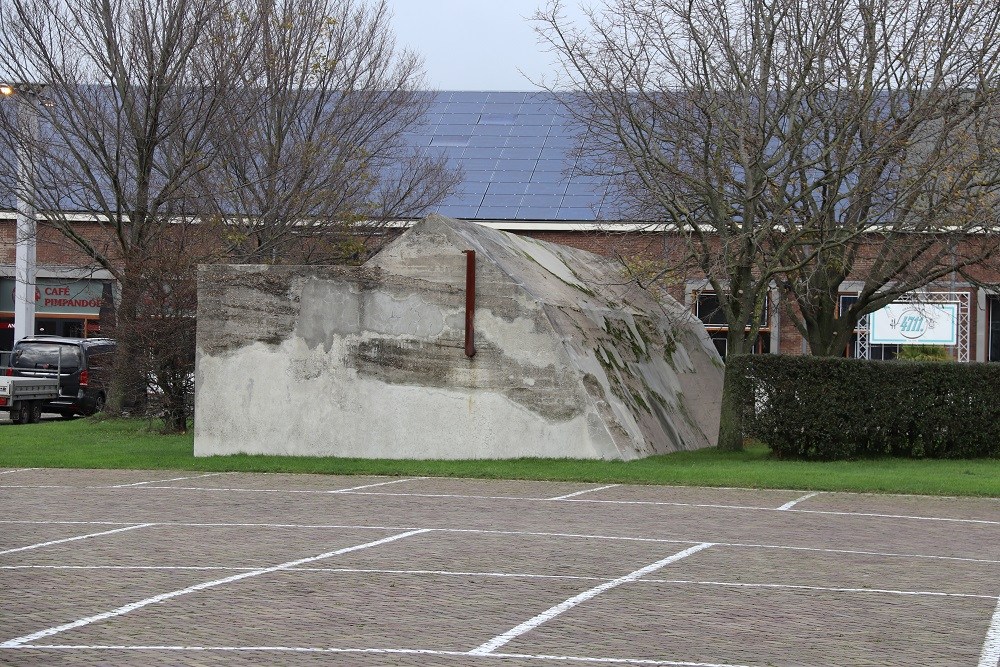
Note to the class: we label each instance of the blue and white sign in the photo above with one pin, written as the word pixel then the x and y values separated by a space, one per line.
pixel 914 323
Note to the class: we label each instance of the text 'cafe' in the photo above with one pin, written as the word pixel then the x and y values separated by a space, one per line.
pixel 63 307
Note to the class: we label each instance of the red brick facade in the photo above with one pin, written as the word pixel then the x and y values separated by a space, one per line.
pixel 648 252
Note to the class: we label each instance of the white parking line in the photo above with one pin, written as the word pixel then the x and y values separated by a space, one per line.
pixel 74 539
pixel 226 568
pixel 509 575
pixel 825 589
pixel 990 656
pixel 528 533
pixel 352 491
pixel 8 472
pixel 549 614
pixel 121 611
pixel 580 493
pixel 368 486
pixel 792 503
pixel 160 481
pixel 376 651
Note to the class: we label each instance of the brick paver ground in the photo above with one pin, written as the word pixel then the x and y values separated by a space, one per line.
pixel 175 568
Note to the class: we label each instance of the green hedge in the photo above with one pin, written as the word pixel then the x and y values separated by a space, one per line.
pixel 827 408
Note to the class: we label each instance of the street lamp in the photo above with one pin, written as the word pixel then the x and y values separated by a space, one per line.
pixel 27 97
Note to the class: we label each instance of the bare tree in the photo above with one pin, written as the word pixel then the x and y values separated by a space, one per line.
pixel 131 89
pixel 213 130
pixel 898 153
pixel 314 159
pixel 685 139
pixel 777 138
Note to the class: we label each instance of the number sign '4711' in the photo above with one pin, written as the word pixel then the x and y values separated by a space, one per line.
pixel 914 323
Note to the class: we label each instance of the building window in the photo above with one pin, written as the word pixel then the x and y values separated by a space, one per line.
pixel 708 311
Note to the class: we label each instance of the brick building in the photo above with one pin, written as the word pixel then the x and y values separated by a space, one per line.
pixel 514 150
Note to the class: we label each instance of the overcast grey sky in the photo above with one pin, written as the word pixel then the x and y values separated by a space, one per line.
pixel 474 44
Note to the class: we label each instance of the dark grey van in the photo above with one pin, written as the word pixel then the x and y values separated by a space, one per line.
pixel 82 364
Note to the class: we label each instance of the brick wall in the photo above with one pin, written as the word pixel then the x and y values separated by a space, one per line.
pixel 652 251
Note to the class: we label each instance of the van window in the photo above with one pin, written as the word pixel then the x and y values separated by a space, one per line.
pixel 47 356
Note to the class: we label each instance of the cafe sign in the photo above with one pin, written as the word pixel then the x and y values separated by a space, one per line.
pixel 56 296
pixel 914 323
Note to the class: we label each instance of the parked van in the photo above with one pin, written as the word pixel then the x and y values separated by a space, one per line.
pixel 83 366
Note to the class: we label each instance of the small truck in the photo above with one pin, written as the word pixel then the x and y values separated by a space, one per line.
pixel 23 397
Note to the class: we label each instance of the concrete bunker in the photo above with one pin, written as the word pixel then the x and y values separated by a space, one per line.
pixel 572 359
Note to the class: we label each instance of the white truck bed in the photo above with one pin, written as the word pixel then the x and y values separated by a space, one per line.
pixel 23 396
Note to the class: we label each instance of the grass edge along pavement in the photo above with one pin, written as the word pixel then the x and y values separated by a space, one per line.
pixel 134 444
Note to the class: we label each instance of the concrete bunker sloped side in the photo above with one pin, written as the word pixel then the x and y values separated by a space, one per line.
pixel 647 362
pixel 370 362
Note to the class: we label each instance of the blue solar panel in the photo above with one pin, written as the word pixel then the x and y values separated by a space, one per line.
pixel 497 212
pixel 551 165
pixel 548 177
pixel 471 118
pixel 466 107
pixel 538 213
pixel 526 142
pixel 535 131
pixel 450 140
pixel 517 164
pixel 481 152
pixel 502 107
pixel 501 97
pixel 490 130
pixel 576 213
pixel 580 187
pixel 497 118
pixel 520 152
pixel 497 188
pixel 543 200
pixel 480 176
pixel 493 142
pixel 535 188
pixel 517 161
pixel 554 153
pixel 501 176
pixel 478 164
pixel 473 188
pixel 460 96
pixel 501 200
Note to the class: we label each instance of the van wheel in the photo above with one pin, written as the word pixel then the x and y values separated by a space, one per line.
pixel 22 414
pixel 98 404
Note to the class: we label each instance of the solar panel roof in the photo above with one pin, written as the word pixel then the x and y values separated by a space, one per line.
pixel 514 152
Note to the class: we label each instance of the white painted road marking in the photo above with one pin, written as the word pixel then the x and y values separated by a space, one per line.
pixel 527 533
pixel 74 539
pixel 160 481
pixel 580 493
pixel 991 647
pixel 368 486
pixel 549 614
pixel 121 611
pixel 350 491
pixel 377 651
pixel 792 503
pixel 509 575
pixel 8 472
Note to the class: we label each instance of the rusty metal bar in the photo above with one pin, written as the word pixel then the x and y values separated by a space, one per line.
pixel 470 302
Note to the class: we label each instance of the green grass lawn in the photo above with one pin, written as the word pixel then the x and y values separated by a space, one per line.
pixel 85 443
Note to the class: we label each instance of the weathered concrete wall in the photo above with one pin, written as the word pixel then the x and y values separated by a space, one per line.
pixel 369 361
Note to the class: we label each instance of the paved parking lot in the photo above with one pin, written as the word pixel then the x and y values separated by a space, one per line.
pixel 155 568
